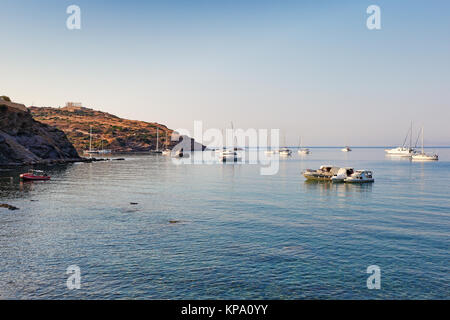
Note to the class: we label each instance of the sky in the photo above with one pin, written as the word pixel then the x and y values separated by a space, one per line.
pixel 309 68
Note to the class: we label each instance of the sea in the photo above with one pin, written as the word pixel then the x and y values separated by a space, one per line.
pixel 150 228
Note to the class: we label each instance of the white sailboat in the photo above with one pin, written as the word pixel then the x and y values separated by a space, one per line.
pixel 269 149
pixel 230 155
pixel 166 151
pixel 422 156
pixel 284 151
pixel 302 150
pixel 403 151
pixel 157 143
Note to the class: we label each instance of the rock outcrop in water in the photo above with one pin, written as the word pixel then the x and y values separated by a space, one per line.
pixel 24 140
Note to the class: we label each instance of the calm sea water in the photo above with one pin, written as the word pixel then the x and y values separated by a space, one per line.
pixel 240 235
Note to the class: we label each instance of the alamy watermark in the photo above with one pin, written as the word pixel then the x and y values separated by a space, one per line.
pixel 248 146
pixel 374 280
pixel 74 279
pixel 73 21
pixel 373 22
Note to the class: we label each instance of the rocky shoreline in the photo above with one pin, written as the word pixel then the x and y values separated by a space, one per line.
pixel 57 161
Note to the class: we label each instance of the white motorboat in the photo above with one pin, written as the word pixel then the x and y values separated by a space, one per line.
pixel 346 149
pixel 403 151
pixel 342 174
pixel 360 176
pixel 422 156
pixel 400 152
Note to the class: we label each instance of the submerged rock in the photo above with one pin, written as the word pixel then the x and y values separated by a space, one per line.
pixel 8 206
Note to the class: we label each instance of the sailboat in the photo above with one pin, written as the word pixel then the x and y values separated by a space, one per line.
pixel 166 151
pixel 157 143
pixel 230 155
pixel 403 151
pixel 422 156
pixel 285 152
pixel 90 151
pixel 269 149
pixel 302 150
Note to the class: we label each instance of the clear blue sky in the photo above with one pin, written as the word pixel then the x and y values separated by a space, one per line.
pixel 310 68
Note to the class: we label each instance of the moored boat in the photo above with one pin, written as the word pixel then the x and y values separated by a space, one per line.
pixel 229 156
pixel 34 175
pixel 342 174
pixel 302 150
pixel 360 176
pixel 346 149
pixel 422 156
pixel 285 152
pixel 324 173
pixel 403 151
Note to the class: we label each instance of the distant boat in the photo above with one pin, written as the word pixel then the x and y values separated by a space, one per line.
pixel 166 151
pixel 230 154
pixel 422 156
pixel 302 150
pixel 403 151
pixel 157 143
pixel 346 149
pixel 90 151
pixel 285 151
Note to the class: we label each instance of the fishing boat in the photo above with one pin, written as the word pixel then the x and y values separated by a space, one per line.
pixel 422 156
pixel 360 176
pixel 342 174
pixel 346 149
pixel 324 173
pixel 403 151
pixel 34 175
pixel 302 150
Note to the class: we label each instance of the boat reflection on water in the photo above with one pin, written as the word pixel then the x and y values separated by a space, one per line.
pixel 329 187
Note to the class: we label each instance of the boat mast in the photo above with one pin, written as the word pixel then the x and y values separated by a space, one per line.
pixel 157 138
pixel 410 136
pixel 90 138
pixel 422 141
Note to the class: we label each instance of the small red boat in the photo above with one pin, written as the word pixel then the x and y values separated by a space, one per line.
pixel 34 175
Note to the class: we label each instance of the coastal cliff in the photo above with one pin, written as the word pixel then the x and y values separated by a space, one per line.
pixel 109 131
pixel 24 140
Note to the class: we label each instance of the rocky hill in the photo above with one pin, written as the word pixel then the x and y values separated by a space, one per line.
pixel 24 140
pixel 108 131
